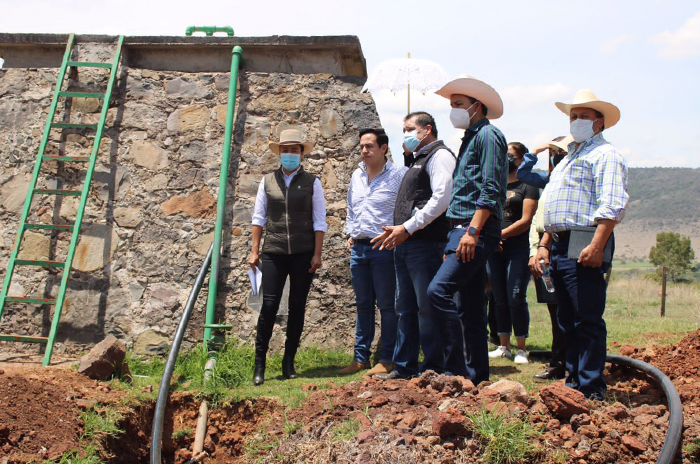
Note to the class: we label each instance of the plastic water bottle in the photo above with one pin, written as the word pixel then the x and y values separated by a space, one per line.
pixel 547 278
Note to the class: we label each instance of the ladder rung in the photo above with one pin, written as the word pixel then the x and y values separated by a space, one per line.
pixel 218 326
pixel 37 301
pixel 34 262
pixel 89 64
pixel 64 125
pixel 65 158
pixel 64 227
pixel 70 193
pixel 81 94
pixel 23 338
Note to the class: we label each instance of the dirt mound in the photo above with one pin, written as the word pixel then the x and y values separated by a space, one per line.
pixel 228 428
pixel 423 420
pixel 427 420
pixel 40 413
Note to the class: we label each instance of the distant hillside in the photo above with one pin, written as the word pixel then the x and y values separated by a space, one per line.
pixel 664 194
pixel 661 199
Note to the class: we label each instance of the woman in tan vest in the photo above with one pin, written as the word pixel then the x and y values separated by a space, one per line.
pixel 290 207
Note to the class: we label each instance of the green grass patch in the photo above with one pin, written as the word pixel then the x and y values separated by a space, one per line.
pixel 99 424
pixel 506 439
pixel 88 455
pixel 693 450
pixel 182 433
pixel 345 430
pixel 263 446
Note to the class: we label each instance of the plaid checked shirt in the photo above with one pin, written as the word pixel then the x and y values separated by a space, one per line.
pixel 480 178
pixel 589 184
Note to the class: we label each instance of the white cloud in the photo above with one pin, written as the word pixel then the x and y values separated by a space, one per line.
pixel 526 96
pixel 682 43
pixel 609 47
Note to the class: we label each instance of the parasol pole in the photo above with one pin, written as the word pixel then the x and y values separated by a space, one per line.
pixel 408 88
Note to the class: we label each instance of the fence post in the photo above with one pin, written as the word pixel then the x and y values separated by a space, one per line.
pixel 663 292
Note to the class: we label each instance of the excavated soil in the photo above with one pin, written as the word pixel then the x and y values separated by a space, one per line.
pixel 368 421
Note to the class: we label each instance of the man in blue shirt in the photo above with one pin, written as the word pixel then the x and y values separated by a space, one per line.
pixel 586 197
pixel 475 212
pixel 371 199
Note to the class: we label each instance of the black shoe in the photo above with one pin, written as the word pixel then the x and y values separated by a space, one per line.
pixel 259 375
pixel 288 368
pixel 551 373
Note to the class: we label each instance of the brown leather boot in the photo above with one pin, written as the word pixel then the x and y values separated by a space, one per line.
pixel 381 367
pixel 354 368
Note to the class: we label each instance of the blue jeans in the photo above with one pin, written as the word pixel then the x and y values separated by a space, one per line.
pixel 373 279
pixel 417 261
pixel 509 276
pixel 581 292
pixel 462 323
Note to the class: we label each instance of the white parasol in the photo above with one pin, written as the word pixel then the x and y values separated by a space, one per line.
pixel 406 73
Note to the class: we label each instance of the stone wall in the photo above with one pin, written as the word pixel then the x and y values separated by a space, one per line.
pixel 150 216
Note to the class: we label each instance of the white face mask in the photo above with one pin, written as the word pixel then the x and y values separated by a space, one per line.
pixel 460 118
pixel 582 129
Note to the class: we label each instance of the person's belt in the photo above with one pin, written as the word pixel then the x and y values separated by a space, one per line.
pixel 362 241
pixel 464 223
pixel 559 236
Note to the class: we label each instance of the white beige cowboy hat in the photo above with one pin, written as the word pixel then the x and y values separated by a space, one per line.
pixel 479 90
pixel 587 99
pixel 562 144
pixel 291 137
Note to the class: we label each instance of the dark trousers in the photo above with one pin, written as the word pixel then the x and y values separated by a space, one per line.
pixel 493 325
pixel 462 324
pixel 581 293
pixel 509 276
pixel 558 358
pixel 275 269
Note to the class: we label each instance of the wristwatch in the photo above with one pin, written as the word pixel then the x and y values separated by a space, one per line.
pixel 473 230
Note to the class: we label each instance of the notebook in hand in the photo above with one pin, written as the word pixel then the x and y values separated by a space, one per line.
pixel 581 237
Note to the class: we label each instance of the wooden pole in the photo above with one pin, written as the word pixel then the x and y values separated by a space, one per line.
pixel 663 292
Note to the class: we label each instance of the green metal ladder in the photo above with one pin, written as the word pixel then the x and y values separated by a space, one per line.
pixel 83 194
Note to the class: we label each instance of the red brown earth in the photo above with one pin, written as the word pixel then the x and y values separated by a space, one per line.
pixel 422 420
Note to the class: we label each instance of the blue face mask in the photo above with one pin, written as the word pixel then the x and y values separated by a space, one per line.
pixel 411 140
pixel 290 161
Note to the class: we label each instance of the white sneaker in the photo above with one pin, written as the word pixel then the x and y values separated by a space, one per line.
pixel 520 357
pixel 500 352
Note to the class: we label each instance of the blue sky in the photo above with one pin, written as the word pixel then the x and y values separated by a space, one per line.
pixel 643 55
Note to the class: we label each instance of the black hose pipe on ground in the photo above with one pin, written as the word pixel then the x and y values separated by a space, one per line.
pixel 674 434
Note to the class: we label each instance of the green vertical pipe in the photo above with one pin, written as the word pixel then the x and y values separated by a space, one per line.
pixel 35 173
pixel 221 201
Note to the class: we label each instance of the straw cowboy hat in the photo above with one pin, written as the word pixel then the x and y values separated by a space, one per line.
pixel 587 99
pixel 479 90
pixel 291 137
pixel 562 144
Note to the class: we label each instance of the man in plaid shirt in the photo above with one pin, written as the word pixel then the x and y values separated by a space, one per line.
pixel 587 190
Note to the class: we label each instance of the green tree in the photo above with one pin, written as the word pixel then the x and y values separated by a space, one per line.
pixel 672 251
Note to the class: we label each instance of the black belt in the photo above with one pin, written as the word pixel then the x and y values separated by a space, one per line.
pixel 362 241
pixel 559 236
pixel 458 222
pixel 464 223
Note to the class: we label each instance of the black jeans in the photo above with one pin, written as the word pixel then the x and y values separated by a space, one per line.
pixel 275 269
pixel 558 358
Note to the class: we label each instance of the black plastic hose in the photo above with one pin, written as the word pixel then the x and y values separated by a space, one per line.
pixel 157 434
pixel 674 434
